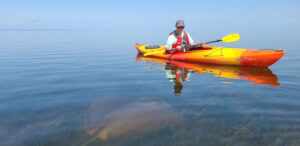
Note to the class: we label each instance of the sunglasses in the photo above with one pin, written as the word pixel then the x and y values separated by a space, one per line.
pixel 181 27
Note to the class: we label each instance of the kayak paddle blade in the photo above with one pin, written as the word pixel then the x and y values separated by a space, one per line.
pixel 231 38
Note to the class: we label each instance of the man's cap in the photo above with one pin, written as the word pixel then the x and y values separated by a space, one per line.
pixel 179 23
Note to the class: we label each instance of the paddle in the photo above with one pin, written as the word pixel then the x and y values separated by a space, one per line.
pixel 226 39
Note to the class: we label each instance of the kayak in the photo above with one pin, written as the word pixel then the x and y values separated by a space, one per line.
pixel 255 75
pixel 217 55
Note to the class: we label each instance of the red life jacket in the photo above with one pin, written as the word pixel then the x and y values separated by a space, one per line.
pixel 179 40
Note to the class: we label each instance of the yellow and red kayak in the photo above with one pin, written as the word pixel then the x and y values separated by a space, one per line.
pixel 219 55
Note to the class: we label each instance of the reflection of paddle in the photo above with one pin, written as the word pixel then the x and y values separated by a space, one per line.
pixel 227 39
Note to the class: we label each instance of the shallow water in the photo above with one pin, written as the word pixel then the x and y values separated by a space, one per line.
pixel 90 88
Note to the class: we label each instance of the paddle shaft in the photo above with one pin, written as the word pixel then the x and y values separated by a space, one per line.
pixel 195 46
pixel 228 38
pixel 213 41
pixel 208 42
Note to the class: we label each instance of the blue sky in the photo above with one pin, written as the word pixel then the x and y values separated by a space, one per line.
pixel 154 14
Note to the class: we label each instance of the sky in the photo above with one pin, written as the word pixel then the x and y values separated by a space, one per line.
pixel 152 14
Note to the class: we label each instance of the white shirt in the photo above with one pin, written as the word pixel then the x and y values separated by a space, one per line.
pixel 173 39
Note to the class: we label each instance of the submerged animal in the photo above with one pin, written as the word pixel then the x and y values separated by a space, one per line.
pixel 107 120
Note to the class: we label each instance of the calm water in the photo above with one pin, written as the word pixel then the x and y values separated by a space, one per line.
pixel 91 88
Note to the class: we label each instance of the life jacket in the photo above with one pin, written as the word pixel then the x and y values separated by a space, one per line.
pixel 180 40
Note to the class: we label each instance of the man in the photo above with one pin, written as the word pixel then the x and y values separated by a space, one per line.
pixel 179 39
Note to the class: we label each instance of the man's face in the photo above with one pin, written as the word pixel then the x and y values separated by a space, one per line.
pixel 180 29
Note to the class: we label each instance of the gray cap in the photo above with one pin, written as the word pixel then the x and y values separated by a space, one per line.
pixel 179 23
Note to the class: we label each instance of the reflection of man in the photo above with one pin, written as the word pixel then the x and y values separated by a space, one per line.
pixel 177 75
pixel 177 88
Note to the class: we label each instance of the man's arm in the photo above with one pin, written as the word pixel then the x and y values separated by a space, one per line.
pixel 170 42
pixel 192 41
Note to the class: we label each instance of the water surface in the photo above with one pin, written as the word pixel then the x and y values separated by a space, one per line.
pixel 90 88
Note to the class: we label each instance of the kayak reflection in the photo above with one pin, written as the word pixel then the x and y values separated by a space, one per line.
pixel 112 117
pixel 178 72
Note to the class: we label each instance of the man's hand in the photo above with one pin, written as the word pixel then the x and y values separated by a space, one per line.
pixel 178 47
pixel 202 44
pixel 168 48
